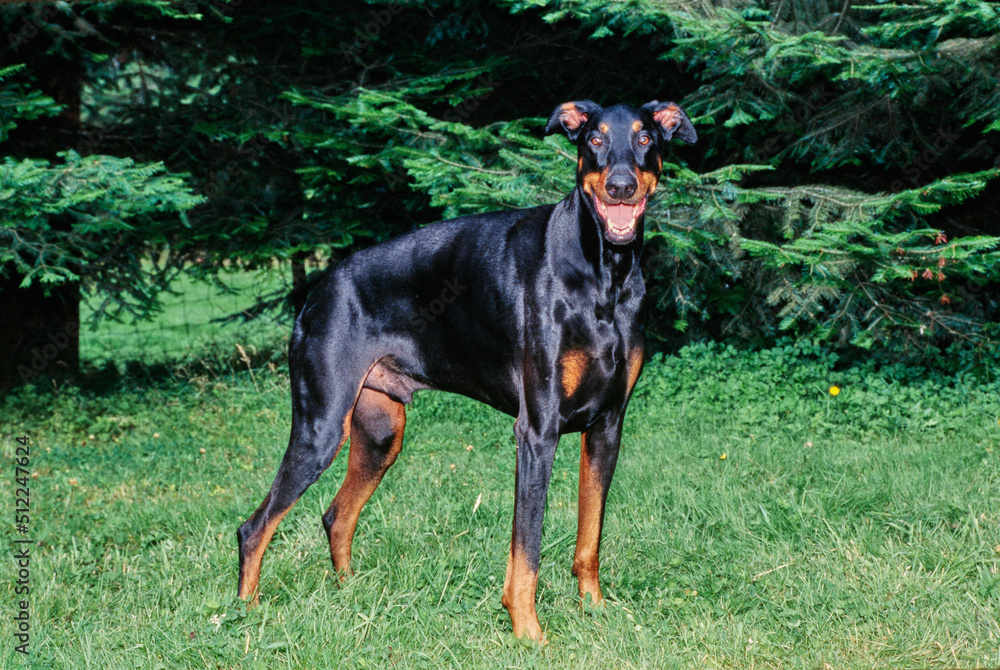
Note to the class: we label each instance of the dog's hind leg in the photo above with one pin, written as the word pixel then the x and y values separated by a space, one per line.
pixel 323 401
pixel 377 426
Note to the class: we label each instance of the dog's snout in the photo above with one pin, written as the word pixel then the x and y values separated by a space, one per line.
pixel 621 186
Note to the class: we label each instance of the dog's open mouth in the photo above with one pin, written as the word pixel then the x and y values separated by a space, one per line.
pixel 619 220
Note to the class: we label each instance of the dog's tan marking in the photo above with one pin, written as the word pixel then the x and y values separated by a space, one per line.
pixel 647 181
pixel 634 367
pixel 363 473
pixel 519 587
pixel 572 364
pixel 593 182
pixel 250 579
pixel 588 530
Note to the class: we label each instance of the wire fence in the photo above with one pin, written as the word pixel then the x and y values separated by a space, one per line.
pixel 194 323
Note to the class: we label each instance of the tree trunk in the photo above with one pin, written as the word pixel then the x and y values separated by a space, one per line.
pixel 40 325
pixel 39 333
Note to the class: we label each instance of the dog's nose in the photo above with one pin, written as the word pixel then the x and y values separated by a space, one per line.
pixel 620 186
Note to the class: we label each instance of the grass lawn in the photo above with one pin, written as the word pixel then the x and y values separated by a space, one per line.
pixel 185 328
pixel 755 521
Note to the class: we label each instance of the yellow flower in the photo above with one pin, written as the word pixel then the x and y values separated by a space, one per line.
pixel 722 457
pixel 834 390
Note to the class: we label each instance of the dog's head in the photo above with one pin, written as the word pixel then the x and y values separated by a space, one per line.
pixel 620 156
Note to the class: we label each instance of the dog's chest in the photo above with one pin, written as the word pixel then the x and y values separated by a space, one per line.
pixel 599 352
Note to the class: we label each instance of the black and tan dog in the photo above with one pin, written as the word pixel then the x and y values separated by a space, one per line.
pixel 536 312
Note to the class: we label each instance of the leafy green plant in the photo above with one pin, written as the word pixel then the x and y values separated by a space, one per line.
pixel 69 221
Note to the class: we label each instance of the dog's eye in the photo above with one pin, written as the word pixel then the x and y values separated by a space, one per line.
pixel 644 139
pixel 596 141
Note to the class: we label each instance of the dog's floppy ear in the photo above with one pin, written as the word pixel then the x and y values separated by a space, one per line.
pixel 672 120
pixel 571 116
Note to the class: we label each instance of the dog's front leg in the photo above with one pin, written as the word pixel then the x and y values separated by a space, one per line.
pixel 598 456
pixel 536 447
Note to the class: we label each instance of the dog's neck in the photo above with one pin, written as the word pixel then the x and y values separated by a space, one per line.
pixel 577 246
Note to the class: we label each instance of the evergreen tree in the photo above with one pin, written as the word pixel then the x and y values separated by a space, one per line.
pixel 840 187
pixel 95 222
pixel 836 150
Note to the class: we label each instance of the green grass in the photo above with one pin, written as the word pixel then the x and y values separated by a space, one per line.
pixel 185 328
pixel 855 531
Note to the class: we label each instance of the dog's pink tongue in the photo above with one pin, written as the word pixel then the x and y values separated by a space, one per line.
pixel 620 215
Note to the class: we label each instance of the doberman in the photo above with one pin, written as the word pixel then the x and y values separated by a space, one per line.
pixel 536 312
